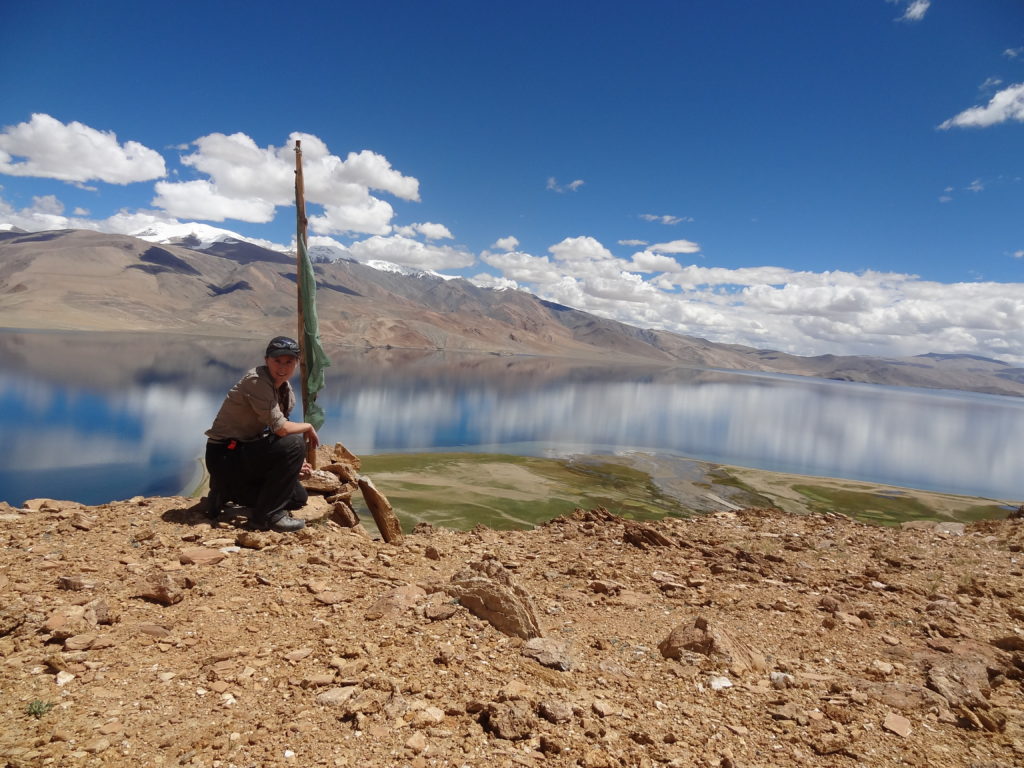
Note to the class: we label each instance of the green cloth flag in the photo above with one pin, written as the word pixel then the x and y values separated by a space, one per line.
pixel 312 349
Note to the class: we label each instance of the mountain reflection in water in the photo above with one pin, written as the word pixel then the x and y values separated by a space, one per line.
pixel 97 417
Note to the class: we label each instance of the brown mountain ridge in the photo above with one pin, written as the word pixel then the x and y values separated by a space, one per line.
pixel 83 280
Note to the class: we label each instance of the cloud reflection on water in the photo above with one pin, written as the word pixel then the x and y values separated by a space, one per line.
pixel 120 436
pixel 946 441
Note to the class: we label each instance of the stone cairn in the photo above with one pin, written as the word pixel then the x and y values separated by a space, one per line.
pixel 337 480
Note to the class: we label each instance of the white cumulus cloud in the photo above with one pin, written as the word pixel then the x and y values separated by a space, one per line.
pixel 664 218
pixel 916 10
pixel 374 171
pixel 572 186
pixel 427 229
pixel 646 261
pixel 506 243
pixel 369 215
pixel 47 213
pixel 248 182
pixel 75 152
pixel 238 169
pixel 675 246
pixel 1007 104
pixel 410 253
pixel 236 179
pixel 522 267
pixel 804 313
pixel 203 200
pixel 580 251
pixel 487 280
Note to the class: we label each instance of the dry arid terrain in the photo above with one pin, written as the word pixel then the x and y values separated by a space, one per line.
pixel 135 633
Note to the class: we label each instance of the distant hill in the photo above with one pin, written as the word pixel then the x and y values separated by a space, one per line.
pixel 83 280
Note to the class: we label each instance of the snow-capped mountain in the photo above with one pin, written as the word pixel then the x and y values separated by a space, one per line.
pixel 324 249
pixel 390 266
pixel 236 286
pixel 197 236
pixel 202 237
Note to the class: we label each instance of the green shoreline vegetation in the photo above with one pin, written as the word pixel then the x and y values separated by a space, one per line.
pixel 890 508
pixel 460 490
pixel 504 492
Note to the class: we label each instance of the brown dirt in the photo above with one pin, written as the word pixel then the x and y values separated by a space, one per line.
pixel 826 642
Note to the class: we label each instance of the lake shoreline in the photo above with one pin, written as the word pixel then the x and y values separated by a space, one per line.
pixel 504 491
pixel 100 416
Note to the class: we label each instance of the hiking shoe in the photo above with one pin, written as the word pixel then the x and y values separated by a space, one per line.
pixel 285 523
pixel 214 505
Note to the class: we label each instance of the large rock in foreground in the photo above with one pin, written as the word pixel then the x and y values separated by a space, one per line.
pixel 716 642
pixel 488 590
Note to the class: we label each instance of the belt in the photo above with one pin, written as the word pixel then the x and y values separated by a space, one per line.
pixel 227 440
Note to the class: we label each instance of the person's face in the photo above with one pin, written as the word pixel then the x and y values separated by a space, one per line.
pixel 282 368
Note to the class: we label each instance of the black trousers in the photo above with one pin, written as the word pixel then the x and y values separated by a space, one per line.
pixel 261 474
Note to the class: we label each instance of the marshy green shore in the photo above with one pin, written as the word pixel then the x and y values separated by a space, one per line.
pixel 504 491
pixel 460 490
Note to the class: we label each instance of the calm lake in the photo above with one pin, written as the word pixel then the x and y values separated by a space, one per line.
pixel 100 417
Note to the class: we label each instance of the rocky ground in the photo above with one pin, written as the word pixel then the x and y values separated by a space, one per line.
pixel 134 633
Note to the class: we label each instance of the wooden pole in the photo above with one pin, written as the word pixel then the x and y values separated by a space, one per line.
pixel 300 239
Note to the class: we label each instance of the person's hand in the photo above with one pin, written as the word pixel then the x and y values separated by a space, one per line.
pixel 306 471
pixel 312 438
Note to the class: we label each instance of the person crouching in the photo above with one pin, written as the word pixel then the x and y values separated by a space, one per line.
pixel 254 454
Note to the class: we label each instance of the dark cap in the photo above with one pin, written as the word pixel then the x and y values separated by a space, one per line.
pixel 282 345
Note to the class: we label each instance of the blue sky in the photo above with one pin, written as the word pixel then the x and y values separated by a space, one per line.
pixel 817 176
